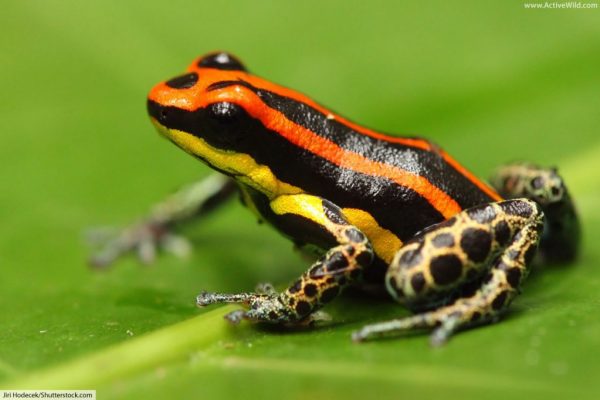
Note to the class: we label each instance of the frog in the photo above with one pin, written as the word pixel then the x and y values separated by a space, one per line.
pixel 379 211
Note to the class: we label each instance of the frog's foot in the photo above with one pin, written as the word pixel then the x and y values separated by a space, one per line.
pixel 477 259
pixel 267 306
pixel 443 322
pixel 155 231
pixel 145 239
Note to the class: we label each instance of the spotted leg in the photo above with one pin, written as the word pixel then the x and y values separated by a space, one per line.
pixel 465 270
pixel 156 229
pixel 561 237
pixel 316 222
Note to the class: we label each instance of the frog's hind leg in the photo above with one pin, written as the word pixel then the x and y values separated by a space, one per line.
pixel 489 246
pixel 561 237
pixel 156 230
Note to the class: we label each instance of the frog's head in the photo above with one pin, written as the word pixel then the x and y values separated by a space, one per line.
pixel 217 111
pixel 191 108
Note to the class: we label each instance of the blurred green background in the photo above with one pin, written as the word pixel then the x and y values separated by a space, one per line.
pixel 490 81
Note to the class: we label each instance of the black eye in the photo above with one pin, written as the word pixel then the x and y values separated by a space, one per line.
pixel 184 81
pixel 225 112
pixel 221 60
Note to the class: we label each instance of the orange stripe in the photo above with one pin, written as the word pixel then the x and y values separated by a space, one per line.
pixel 306 139
pixel 283 91
pixel 476 181
pixel 330 151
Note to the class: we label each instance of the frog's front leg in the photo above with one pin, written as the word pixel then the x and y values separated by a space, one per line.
pixel 156 229
pixel 310 220
pixel 487 248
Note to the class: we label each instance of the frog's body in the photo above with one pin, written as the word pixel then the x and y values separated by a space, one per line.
pixel 382 209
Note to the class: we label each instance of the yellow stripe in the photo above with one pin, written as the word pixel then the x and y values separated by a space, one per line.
pixel 384 242
pixel 308 206
pixel 244 168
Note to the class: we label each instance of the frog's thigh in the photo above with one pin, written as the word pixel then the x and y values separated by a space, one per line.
pixel 495 242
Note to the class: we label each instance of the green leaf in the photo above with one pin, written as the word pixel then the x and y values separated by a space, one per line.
pixel 490 82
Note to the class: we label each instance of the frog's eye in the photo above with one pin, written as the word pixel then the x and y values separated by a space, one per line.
pixel 221 60
pixel 225 112
pixel 183 82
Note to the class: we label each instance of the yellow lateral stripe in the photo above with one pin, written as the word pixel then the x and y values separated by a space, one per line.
pixel 244 167
pixel 384 242
pixel 308 206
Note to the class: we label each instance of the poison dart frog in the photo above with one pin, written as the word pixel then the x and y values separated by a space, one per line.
pixel 382 211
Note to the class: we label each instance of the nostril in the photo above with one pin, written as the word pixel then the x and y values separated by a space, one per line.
pixel 162 116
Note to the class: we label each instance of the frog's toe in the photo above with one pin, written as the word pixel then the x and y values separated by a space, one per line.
pixel 175 244
pixel 392 327
pixel 145 239
pixel 442 324
pixel 235 317
pixel 265 288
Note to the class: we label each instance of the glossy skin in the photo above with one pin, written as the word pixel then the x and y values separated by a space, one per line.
pixel 380 209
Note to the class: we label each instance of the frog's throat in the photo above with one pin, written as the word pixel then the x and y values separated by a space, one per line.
pixel 242 167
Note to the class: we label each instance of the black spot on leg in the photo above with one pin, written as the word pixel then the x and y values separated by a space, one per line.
pixel 295 288
pixel 476 243
pixel 502 233
pixel 411 258
pixel 349 250
pixel 365 258
pixel 513 277
pixel 443 240
pixel 393 283
pixel 336 262
pixel 354 235
pixel 329 294
pixel 417 282
pixel 333 213
pixel 445 269
pixel 317 271
pixel 499 301
pixel 302 308
pixel 483 215
pixel 310 289
pixel 517 207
